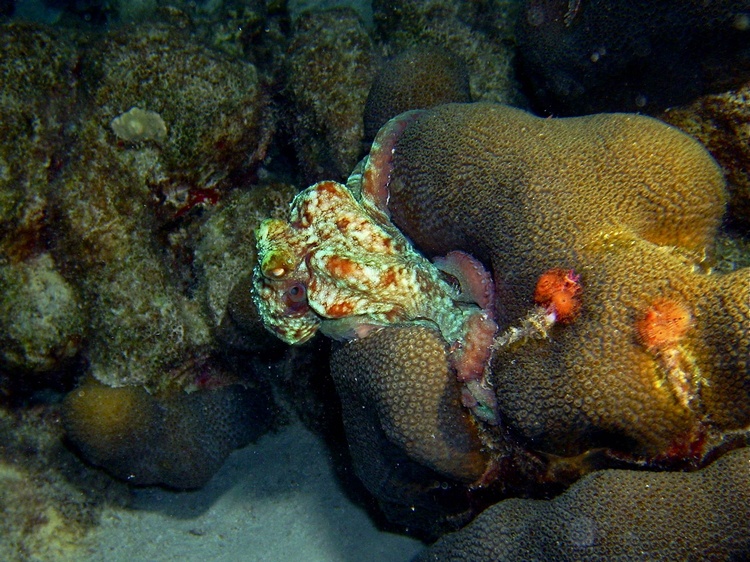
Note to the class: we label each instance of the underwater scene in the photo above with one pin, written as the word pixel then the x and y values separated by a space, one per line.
pixel 388 280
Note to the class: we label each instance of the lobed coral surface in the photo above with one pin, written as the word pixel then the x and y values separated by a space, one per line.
pixel 619 344
pixel 590 521
pixel 529 188
pixel 634 351
pixel 418 78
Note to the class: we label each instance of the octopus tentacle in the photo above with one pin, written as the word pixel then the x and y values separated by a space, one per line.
pixel 378 166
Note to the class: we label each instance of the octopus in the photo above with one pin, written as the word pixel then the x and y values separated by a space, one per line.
pixel 340 266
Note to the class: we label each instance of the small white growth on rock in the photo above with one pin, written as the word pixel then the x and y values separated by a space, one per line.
pixel 137 125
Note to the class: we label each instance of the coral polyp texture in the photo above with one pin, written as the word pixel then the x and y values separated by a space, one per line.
pixel 397 397
pixel 479 35
pixel 173 438
pixel 632 206
pixel 615 342
pixel 722 123
pixel 328 69
pixel 693 515
pixel 418 78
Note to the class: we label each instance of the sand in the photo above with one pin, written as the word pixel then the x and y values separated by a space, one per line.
pixel 276 500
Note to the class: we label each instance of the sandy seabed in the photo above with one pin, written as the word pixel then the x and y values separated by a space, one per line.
pixel 278 499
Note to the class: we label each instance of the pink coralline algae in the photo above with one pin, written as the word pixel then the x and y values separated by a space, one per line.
pixel 341 267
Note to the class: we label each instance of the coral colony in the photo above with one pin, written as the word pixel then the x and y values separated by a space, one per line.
pixel 574 313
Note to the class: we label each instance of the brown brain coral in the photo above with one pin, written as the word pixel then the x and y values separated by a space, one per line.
pixel 418 78
pixel 174 439
pixel 700 515
pixel 412 443
pixel 632 206
pixel 413 399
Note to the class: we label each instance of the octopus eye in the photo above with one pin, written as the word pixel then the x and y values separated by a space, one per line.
pixel 295 294
pixel 276 264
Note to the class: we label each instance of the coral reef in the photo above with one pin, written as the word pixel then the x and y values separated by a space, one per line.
pixel 225 245
pixel 658 201
pixel 586 57
pixel 700 514
pixel 41 316
pixel 340 266
pixel 410 439
pixel 722 123
pixel 109 188
pixel 41 322
pixel 418 78
pixel 592 367
pixel 328 70
pixel 37 94
pixel 140 158
pixel 175 439
pixel 92 190
pixel 252 30
pixel 49 501
pixel 108 248
pixel 101 226
pixel 168 437
pixel 218 124
pixel 363 9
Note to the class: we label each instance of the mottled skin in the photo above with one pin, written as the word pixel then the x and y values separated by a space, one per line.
pixel 334 267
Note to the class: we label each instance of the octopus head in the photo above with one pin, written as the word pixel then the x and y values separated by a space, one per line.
pixel 280 283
